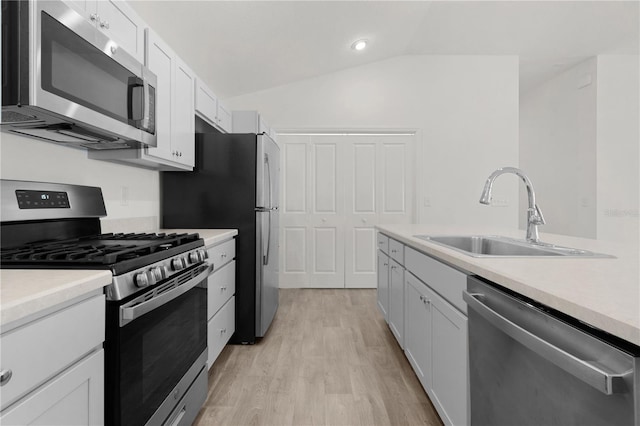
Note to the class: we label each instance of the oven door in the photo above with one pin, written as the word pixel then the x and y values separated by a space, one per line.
pixel 82 74
pixel 153 340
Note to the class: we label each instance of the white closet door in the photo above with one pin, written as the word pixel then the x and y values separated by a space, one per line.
pixel 335 189
pixel 311 213
pixel 378 190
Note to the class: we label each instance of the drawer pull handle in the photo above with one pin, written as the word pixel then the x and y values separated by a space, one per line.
pixel 223 255
pixel 223 288
pixel 223 330
pixel 5 376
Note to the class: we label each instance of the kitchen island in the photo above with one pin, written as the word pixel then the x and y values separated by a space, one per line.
pixel 420 293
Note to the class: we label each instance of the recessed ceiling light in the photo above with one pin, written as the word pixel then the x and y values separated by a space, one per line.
pixel 359 44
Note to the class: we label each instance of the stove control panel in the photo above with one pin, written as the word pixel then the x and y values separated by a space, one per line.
pixel 131 282
pixel 28 199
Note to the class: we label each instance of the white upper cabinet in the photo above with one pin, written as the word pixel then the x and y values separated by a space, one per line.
pixel 211 109
pixel 225 117
pixel 183 121
pixel 161 61
pixel 117 20
pixel 250 122
pixel 175 106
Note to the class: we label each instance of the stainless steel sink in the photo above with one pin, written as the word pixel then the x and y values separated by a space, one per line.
pixel 498 246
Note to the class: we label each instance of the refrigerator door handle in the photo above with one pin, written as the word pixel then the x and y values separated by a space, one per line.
pixel 266 160
pixel 265 258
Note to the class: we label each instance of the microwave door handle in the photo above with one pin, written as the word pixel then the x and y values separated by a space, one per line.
pixel 146 103
pixel 134 92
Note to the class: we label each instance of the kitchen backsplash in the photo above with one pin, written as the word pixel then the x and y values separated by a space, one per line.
pixel 129 192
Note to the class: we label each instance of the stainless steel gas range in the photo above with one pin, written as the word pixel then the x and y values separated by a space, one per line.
pixel 156 325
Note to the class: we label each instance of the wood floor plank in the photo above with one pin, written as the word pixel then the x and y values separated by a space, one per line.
pixel 328 359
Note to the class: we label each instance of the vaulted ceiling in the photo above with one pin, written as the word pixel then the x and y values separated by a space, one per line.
pixel 239 47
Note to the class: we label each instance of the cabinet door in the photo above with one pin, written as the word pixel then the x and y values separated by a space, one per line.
pixel 183 136
pixel 225 118
pixel 219 330
pixel 160 60
pixel 206 103
pixel 120 23
pixel 383 284
pixel 417 330
pixel 450 361
pixel 86 8
pixel 396 300
pixel 75 397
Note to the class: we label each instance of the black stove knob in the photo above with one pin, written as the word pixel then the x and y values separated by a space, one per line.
pixel 141 279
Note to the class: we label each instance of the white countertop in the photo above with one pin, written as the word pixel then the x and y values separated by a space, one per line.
pixel 210 236
pixel 602 292
pixel 25 292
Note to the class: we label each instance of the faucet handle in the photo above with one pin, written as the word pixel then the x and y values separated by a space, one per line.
pixel 535 216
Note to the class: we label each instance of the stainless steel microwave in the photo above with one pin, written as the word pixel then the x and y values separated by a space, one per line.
pixel 65 81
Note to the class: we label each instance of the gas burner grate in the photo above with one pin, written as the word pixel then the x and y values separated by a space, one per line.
pixel 104 249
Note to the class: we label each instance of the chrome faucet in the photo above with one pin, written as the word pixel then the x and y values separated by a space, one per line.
pixel 534 215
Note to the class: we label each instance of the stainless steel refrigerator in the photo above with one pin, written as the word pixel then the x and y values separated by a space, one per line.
pixel 235 184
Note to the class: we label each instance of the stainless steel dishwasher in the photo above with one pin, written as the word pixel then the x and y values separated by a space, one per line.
pixel 531 365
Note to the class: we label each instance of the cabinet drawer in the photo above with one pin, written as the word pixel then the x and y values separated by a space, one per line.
pixel 220 329
pixel 383 243
pixel 396 251
pixel 37 351
pixel 221 285
pixel 445 280
pixel 222 254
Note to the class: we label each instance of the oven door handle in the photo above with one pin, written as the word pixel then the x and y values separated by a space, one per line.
pixel 131 313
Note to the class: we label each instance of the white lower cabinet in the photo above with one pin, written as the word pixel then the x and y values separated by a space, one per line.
pixel 428 317
pixel 221 301
pixel 53 367
pixel 417 333
pixel 76 397
pixel 449 360
pixel 220 329
pixel 396 300
pixel 383 284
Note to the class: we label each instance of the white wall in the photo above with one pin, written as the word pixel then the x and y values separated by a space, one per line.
pixel 618 148
pixel 558 150
pixel 465 109
pixel 29 159
pixel 580 144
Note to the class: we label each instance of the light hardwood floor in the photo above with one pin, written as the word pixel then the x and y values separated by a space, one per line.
pixel 328 359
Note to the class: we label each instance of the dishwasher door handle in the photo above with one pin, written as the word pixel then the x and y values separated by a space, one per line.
pixel 606 382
